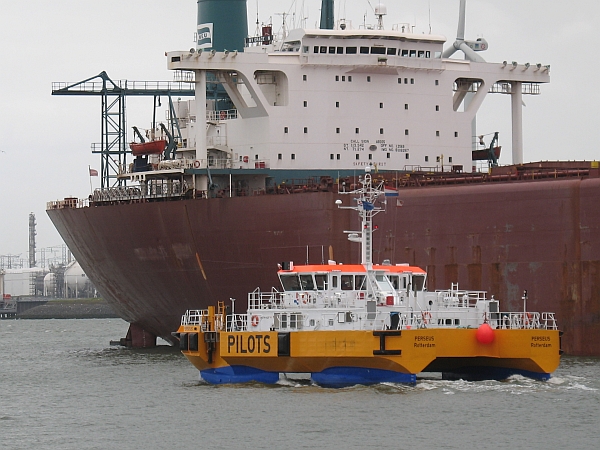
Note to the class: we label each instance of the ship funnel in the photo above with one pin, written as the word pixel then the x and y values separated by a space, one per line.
pixel 222 24
pixel 326 15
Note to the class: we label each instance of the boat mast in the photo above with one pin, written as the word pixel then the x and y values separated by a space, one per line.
pixel 367 209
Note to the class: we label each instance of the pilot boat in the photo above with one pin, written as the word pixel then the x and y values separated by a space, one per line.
pixel 367 323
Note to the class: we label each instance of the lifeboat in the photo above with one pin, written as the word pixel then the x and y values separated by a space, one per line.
pixel 148 148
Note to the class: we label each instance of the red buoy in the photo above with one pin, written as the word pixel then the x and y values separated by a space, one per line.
pixel 485 334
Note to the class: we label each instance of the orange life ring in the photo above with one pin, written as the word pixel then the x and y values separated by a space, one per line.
pixel 254 320
pixel 197 164
pixel 223 115
pixel 426 315
pixel 246 159
pixel 528 318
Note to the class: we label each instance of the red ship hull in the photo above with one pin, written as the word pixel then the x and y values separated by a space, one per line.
pixel 153 261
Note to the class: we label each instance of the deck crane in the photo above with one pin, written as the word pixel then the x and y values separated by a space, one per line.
pixel 113 147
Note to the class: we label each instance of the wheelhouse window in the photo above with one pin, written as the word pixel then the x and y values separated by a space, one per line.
pixel 360 282
pixel 307 283
pixel 418 282
pixel 321 280
pixel 347 282
pixel 378 50
pixel 350 50
pixel 290 282
pixel 391 51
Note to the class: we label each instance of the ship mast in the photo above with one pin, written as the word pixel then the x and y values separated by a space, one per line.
pixel 367 209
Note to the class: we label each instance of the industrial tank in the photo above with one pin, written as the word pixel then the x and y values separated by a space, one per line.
pixel 77 284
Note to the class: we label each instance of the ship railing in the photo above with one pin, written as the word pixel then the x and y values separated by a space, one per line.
pixel 68 203
pixel 152 190
pixel 225 114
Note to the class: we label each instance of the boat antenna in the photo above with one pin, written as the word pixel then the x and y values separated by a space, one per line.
pixel 367 208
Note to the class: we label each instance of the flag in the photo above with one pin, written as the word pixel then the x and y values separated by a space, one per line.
pixel 93 172
pixel 389 192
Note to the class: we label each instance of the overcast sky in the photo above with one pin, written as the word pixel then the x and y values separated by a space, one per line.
pixel 45 146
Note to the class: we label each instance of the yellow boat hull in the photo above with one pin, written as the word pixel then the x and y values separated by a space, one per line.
pixel 457 351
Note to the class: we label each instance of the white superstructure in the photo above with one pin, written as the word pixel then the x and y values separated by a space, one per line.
pixel 342 99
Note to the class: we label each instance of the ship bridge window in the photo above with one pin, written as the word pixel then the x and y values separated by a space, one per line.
pixel 404 52
pixel 364 50
pixel 395 280
pixel 323 49
pixel 413 53
pixel 290 282
pixel 418 282
pixel 350 50
pixel 307 283
pixel 340 50
pixel 316 49
pixel 421 54
pixel 377 50
pixel 391 51
pixel 347 282
pixel 321 280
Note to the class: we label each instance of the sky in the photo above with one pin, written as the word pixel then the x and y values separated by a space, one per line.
pixel 45 148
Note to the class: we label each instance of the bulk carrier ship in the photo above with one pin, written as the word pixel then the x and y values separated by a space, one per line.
pixel 255 173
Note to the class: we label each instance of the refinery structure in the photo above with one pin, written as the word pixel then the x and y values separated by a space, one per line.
pixel 55 274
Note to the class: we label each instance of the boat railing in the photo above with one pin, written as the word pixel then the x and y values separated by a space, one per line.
pixel 527 320
pixel 236 322
pixel 194 317
pixel 266 300
pixel 454 297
